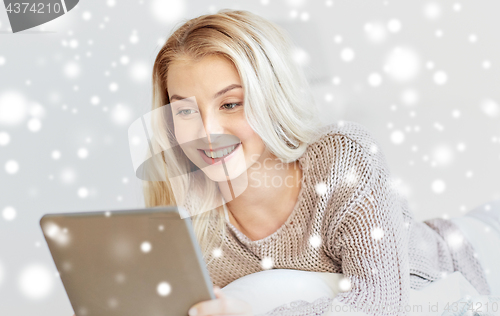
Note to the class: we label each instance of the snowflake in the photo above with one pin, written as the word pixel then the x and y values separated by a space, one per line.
pixel 4 138
pixel 321 188
pixel 113 86
pixel 402 64
pixel 83 153
pixel 336 80
pixel 94 100
pixel 9 213
pixel 267 263
pixel 120 278
pixel 315 241
pixel 36 281
pixel 490 108
pixel 86 15
pixel 217 252
pixel 432 11
pixel 375 31
pixel 146 246
pixel 83 192
pixel 344 284
pixel 11 166
pixel 455 240
pixel 300 56
pixel 347 54
pixel 124 60
pixel 351 177
pixel 443 155
pixel 377 233
pixel 164 289
pixel 375 79
pixel 440 77
pixel 394 25
pixel 13 108
pixel 72 70
pixel 397 137
pixel 54 232
pixel 461 147
pixel 438 186
pixel 168 11
pixel 112 303
pixel 409 96
pixel 438 126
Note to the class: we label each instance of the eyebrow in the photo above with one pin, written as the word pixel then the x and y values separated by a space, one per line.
pixel 218 94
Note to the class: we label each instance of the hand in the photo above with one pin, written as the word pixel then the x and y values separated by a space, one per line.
pixel 222 305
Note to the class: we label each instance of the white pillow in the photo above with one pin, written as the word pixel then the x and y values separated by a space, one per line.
pixel 268 289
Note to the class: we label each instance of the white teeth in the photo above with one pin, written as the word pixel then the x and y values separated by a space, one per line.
pixel 219 153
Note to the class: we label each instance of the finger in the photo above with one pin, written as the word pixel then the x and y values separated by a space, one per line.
pixel 219 307
pixel 218 293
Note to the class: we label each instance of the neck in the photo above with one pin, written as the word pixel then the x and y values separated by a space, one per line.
pixel 268 200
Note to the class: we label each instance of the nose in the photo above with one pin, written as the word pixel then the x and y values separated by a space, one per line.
pixel 212 127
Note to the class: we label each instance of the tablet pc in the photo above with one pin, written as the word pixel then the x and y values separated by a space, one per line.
pixel 128 262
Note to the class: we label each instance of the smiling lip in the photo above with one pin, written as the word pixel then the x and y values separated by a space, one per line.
pixel 218 148
pixel 213 161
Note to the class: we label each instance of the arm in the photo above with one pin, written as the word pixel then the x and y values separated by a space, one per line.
pixel 362 203
pixel 370 239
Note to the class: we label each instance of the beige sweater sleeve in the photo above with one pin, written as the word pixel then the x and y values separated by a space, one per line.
pixel 373 246
pixel 369 237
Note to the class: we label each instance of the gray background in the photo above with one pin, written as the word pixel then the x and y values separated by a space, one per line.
pixel 432 133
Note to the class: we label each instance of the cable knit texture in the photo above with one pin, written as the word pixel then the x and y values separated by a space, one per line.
pixel 350 219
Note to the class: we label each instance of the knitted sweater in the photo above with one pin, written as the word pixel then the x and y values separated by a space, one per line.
pixel 350 219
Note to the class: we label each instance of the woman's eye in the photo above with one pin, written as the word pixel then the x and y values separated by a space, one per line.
pixel 230 106
pixel 185 112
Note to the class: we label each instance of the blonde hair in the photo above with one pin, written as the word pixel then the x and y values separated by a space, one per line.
pixel 277 101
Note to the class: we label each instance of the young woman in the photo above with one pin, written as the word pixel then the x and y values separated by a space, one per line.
pixel 268 187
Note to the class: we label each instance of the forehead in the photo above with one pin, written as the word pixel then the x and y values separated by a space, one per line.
pixel 210 71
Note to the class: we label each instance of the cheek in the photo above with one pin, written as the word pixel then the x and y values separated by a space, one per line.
pixel 183 134
pixel 251 140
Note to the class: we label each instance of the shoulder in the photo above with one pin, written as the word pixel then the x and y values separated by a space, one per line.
pixel 348 131
pixel 346 161
pixel 344 142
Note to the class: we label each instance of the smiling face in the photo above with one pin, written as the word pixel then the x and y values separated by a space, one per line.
pixel 206 100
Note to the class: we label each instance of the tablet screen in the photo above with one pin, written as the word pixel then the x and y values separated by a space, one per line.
pixel 134 262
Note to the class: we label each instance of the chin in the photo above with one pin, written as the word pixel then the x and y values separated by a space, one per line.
pixel 217 173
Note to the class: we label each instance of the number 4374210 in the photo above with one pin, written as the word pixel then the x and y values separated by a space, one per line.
pixel 33 7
